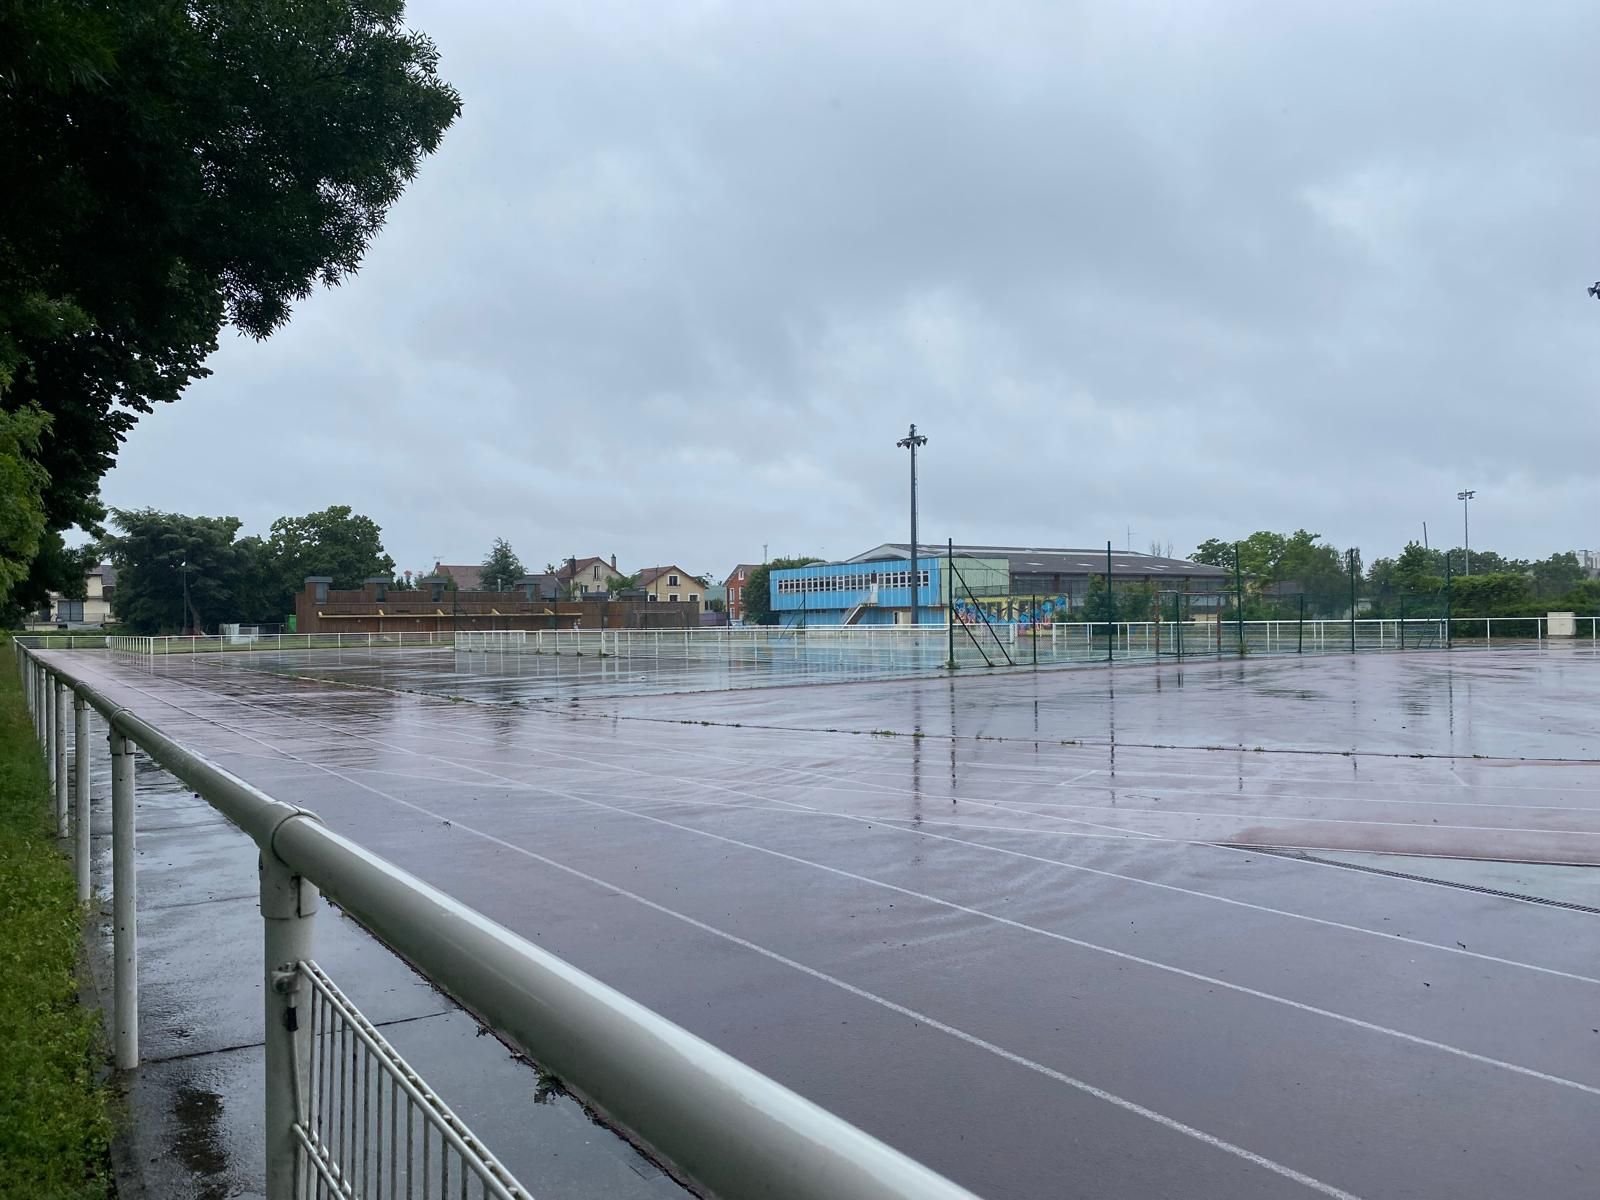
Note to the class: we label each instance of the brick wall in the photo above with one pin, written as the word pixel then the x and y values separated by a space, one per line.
pixel 374 609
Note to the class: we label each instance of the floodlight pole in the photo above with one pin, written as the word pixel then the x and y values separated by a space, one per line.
pixel 910 442
pixel 1466 530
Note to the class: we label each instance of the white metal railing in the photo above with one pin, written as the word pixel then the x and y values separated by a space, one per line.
pixel 922 645
pixel 369 1125
pixel 51 640
pixel 491 639
pixel 253 643
pixel 727 1129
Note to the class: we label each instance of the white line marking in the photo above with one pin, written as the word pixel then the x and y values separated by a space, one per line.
pixel 1182 972
pixel 766 803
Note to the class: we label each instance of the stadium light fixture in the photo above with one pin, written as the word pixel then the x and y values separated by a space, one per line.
pixel 1466 531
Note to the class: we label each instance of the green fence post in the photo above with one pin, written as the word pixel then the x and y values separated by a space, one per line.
pixel 1447 594
pixel 1111 609
pixel 1402 620
pixel 950 603
pixel 1352 565
pixel 1238 599
pixel 1300 627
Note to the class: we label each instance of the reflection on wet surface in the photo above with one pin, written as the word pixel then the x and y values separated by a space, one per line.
pixel 1045 886
pixel 197 1113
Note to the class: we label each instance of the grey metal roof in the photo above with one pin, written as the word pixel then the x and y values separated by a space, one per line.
pixel 1047 560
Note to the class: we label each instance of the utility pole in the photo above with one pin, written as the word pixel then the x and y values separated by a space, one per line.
pixel 1466 531
pixel 910 442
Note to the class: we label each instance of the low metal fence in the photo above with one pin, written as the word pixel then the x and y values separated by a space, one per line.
pixel 344 1115
pixel 51 640
pixel 993 643
pixel 251 643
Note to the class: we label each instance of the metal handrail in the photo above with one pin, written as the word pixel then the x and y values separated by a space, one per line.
pixel 724 1126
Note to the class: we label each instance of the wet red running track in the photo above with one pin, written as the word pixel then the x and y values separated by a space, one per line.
pixel 1020 925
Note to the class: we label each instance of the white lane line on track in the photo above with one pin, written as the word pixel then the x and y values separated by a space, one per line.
pixel 1181 793
pixel 1120 831
pixel 766 803
pixel 1131 1106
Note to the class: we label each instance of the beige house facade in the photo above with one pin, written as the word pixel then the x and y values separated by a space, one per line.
pixel 92 612
pixel 588 574
pixel 664 584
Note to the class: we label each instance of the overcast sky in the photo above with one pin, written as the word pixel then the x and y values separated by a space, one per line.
pixel 683 273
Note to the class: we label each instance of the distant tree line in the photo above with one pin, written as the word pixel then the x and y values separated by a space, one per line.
pixel 178 573
pixel 1279 569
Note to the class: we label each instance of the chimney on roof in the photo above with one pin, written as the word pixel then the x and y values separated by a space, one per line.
pixel 613 562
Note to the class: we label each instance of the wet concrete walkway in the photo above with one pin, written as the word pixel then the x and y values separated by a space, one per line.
pixel 990 920
pixel 194 1105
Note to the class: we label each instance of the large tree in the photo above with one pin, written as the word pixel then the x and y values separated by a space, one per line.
pixel 1556 575
pixel 758 592
pixel 337 542
pixel 501 566
pixel 167 561
pixel 1266 557
pixel 22 487
pixel 172 167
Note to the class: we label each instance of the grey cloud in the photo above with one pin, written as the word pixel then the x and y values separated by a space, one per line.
pixel 682 274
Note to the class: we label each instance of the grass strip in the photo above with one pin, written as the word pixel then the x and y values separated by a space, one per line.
pixel 55 1113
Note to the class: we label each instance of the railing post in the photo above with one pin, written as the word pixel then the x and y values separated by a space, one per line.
pixel 1352 554
pixel 82 812
pixel 288 903
pixel 1238 599
pixel 124 906
pixel 48 685
pixel 1111 611
pixel 62 707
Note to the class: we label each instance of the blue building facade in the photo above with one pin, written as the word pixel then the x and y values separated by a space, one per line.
pixel 859 593
pixel 1021 584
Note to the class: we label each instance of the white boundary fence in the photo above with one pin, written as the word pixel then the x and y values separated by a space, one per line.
pixel 724 1127
pixel 918 645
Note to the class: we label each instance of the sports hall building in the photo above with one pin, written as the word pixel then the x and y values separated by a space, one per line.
pixel 1009 583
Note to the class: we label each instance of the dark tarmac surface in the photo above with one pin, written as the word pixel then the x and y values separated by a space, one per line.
pixel 987 920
